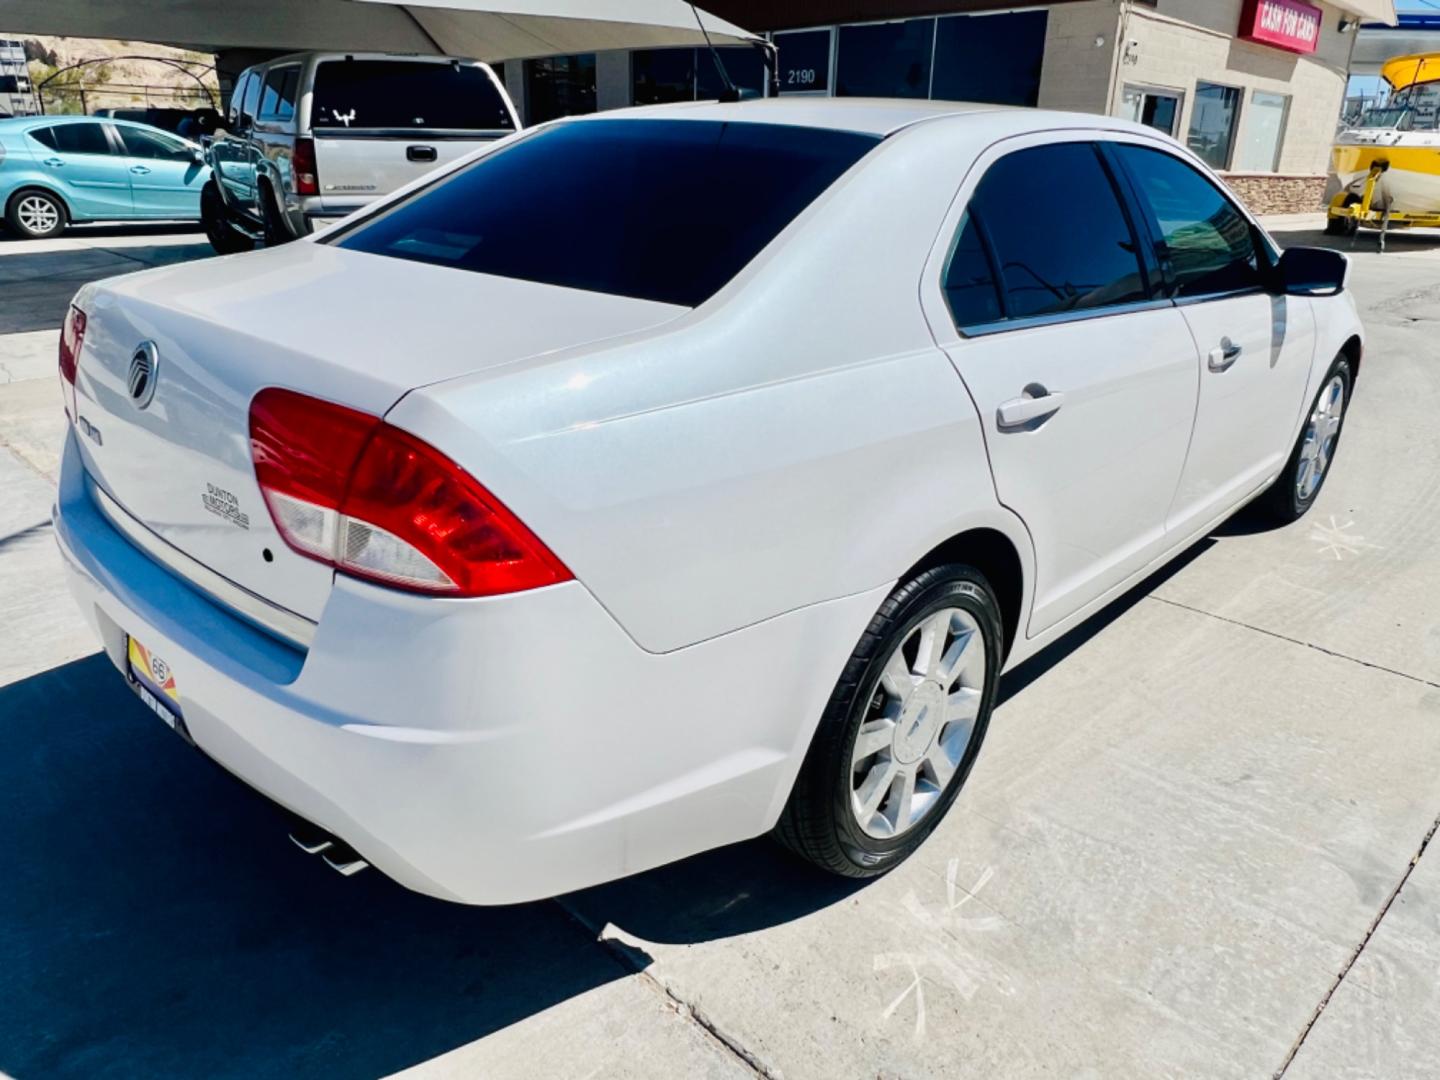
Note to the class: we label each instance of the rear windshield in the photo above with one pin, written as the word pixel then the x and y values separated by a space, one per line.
pixel 406 94
pixel 666 210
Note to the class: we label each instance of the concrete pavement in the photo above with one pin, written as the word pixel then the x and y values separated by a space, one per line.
pixel 1197 842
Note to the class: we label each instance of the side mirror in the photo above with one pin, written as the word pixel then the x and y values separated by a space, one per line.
pixel 1311 271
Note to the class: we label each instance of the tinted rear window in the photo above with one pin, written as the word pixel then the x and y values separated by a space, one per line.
pixel 406 94
pixel 666 210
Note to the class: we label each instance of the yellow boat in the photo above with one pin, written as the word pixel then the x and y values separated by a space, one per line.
pixel 1386 168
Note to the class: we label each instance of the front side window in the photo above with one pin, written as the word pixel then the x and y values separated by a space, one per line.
pixel 406 94
pixel 79 139
pixel 1207 242
pixel 153 146
pixel 237 95
pixel 1212 123
pixel 1090 262
pixel 251 101
pixel 663 210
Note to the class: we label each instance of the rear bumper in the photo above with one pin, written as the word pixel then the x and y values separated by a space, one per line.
pixel 486 751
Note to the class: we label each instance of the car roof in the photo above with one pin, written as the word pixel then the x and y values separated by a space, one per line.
pixel 871 116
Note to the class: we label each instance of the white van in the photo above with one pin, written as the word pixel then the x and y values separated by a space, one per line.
pixel 314 136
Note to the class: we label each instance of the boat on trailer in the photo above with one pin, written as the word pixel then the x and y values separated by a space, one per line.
pixel 1385 168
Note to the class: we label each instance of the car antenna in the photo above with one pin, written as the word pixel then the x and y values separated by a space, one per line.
pixel 731 92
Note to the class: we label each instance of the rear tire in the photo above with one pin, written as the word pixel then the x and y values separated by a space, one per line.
pixel 276 231
pixel 897 720
pixel 224 237
pixel 36 215
pixel 1304 475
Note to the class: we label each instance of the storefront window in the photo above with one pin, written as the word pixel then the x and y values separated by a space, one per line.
pixel 990 58
pixel 744 65
pixel 660 76
pixel 1158 109
pixel 804 62
pixel 560 86
pixel 1212 123
pixel 885 59
pixel 1264 132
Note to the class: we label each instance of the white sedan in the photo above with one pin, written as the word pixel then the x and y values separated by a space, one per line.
pixel 652 481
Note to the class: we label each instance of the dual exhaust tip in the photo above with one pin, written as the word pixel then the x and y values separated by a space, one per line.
pixel 338 855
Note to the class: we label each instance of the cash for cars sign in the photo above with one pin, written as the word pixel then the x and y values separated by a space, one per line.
pixel 1293 25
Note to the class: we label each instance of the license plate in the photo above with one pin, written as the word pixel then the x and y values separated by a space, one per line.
pixel 151 678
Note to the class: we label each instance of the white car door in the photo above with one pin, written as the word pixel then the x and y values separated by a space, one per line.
pixel 1255 346
pixel 1084 382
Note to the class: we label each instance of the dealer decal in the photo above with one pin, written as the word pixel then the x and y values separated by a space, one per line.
pixel 223 504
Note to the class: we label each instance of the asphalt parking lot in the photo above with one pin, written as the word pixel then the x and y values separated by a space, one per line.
pixel 1194 845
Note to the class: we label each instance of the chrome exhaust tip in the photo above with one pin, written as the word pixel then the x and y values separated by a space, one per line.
pixel 338 855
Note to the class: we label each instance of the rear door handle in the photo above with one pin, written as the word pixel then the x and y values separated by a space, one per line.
pixel 1222 357
pixel 1037 404
pixel 421 153
pixel 53 162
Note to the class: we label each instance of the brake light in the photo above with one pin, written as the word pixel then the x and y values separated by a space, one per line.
pixel 72 337
pixel 302 162
pixel 347 489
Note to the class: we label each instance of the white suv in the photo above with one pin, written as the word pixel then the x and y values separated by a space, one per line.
pixel 310 137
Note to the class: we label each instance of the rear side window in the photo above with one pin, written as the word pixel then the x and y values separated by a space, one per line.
pixel 1207 241
pixel 1047 265
pixel 406 94
pixel 277 102
pixel 153 145
pixel 666 210
pixel 970 286
pixel 75 138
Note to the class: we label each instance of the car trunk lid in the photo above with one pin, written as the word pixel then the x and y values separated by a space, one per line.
pixel 345 326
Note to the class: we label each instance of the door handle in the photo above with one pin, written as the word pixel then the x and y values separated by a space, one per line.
pixel 1222 357
pixel 1036 404
pixel 53 162
pixel 140 170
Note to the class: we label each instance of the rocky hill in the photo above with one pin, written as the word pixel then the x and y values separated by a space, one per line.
pixel 119 81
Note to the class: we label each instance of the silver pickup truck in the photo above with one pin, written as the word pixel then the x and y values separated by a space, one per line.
pixel 313 136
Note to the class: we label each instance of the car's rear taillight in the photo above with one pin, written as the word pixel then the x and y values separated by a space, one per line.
pixel 348 489
pixel 72 337
pixel 302 161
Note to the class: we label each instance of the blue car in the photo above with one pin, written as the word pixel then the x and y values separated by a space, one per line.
pixel 59 169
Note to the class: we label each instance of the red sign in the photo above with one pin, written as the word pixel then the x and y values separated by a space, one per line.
pixel 1293 25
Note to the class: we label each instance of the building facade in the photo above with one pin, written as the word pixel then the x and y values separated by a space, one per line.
pixel 17 97
pixel 1255 87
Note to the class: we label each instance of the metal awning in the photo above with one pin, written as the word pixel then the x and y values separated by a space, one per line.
pixel 492 30
pixel 1381 11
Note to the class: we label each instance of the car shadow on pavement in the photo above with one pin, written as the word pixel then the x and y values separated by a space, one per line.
pixel 37 285
pixel 91 232
pixel 155 920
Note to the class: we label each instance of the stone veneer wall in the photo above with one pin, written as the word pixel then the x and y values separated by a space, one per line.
pixel 1266 193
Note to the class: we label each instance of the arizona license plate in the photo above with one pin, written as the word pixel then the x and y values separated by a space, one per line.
pixel 151 678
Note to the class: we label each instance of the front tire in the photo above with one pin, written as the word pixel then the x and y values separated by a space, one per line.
pixel 224 237
pixel 1299 485
pixel 902 728
pixel 36 215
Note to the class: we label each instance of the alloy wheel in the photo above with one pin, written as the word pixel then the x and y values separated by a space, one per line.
pixel 1320 435
pixel 919 723
pixel 38 214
